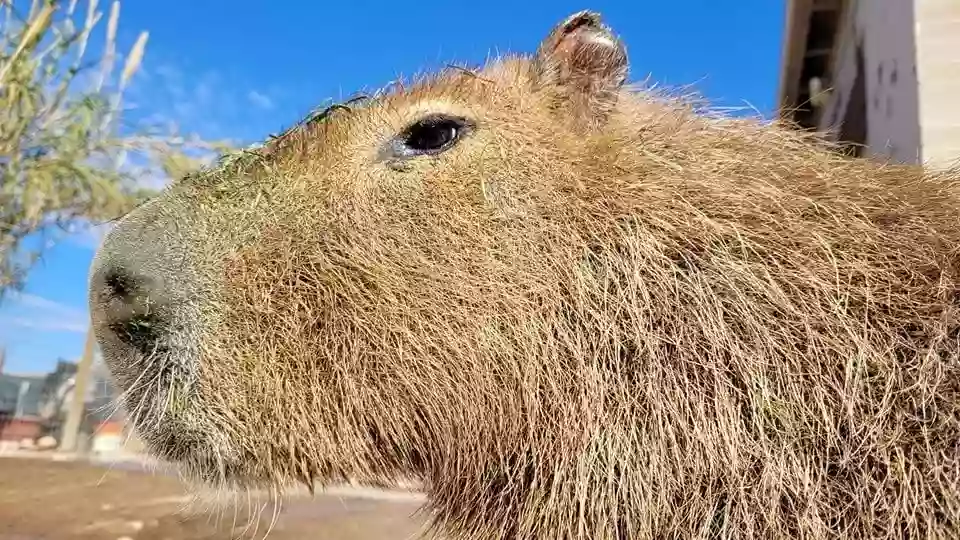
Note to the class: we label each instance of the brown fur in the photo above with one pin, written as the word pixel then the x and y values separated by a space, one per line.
pixel 601 315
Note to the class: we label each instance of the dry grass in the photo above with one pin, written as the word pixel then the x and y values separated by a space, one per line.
pixel 675 326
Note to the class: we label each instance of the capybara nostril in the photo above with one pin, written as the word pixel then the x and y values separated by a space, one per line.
pixel 129 306
pixel 118 284
pixel 142 332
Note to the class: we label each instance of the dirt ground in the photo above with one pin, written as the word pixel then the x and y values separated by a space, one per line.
pixel 42 499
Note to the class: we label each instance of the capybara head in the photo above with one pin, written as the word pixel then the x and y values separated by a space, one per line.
pixel 571 308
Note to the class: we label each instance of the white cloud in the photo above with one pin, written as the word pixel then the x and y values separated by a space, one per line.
pixel 169 96
pixel 260 100
pixel 47 325
pixel 89 235
pixel 24 310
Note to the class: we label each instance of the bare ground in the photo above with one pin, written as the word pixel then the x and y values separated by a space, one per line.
pixel 42 499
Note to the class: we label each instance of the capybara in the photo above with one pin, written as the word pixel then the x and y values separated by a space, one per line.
pixel 570 307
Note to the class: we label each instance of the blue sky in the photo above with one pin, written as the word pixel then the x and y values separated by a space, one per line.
pixel 243 69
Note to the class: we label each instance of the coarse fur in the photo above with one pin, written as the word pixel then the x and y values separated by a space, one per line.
pixel 601 314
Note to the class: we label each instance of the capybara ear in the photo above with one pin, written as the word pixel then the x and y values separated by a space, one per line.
pixel 586 62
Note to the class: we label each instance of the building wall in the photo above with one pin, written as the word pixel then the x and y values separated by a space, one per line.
pixel 17 429
pixel 107 438
pixel 912 78
pixel 885 32
pixel 938 47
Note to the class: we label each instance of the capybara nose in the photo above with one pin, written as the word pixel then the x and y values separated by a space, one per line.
pixel 128 305
pixel 136 283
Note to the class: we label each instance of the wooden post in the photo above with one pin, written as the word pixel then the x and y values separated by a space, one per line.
pixel 71 428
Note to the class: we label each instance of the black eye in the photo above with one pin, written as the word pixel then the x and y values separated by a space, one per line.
pixel 429 136
pixel 432 135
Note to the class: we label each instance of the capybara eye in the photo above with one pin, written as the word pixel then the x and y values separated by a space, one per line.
pixel 430 135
